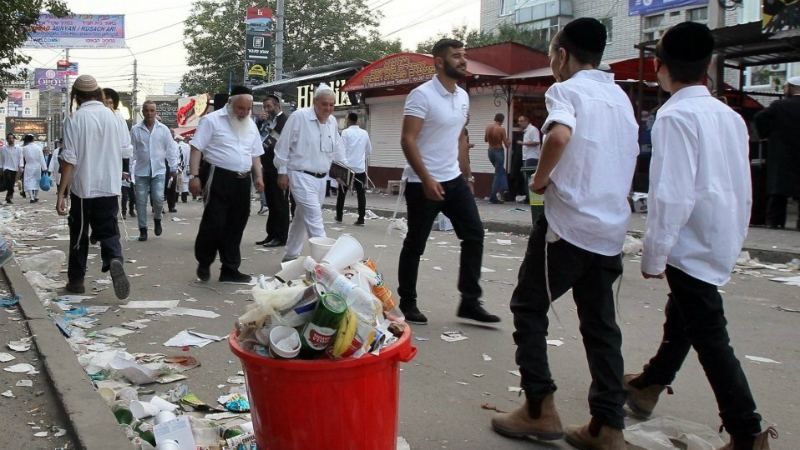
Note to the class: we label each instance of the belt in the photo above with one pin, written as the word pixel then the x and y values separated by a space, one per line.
pixel 315 174
pixel 232 173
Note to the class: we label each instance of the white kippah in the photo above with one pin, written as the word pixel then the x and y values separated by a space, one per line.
pixel 794 81
pixel 323 89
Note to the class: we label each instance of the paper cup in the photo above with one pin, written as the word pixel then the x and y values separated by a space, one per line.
pixel 344 252
pixel 320 246
pixel 292 270
pixel 164 416
pixel 141 410
pixel 128 394
pixel 162 404
pixel 169 444
pixel 278 334
pixel 108 394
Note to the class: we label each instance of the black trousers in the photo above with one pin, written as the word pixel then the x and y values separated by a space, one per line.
pixel 459 206
pixel 590 276
pixel 9 183
pixel 128 199
pixel 360 186
pixel 100 216
pixel 227 209
pixel 695 318
pixel 776 210
pixel 171 191
pixel 278 204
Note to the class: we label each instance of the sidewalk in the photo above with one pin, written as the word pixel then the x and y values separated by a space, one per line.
pixel 766 244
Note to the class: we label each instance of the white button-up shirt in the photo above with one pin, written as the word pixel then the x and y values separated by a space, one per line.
pixel 358 147
pixel 444 115
pixel 127 150
pixel 93 143
pixel 700 195
pixel 308 145
pixel 222 147
pixel 531 135
pixel 151 148
pixel 12 158
pixel 586 202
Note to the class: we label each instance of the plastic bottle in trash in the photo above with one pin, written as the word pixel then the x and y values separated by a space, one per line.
pixel 381 291
pixel 332 280
pixel 363 303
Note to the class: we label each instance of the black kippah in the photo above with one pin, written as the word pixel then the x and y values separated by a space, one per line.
pixel 239 90
pixel 688 42
pixel 586 34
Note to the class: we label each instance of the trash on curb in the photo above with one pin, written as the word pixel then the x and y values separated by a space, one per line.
pixel 453 336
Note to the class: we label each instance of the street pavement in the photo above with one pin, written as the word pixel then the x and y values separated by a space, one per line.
pixel 446 390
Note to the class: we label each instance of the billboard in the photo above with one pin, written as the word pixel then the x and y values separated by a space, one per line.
pixel 258 48
pixel 68 67
pixel 47 79
pixel 166 109
pixel 646 7
pixel 78 31
pixel 20 126
pixel 14 103
pixel 258 20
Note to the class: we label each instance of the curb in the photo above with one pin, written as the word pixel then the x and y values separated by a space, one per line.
pixel 92 423
pixel 770 255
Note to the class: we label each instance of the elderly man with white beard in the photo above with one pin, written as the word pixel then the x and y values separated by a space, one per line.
pixel 309 143
pixel 231 144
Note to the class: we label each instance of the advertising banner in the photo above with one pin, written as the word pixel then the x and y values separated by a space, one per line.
pixel 68 67
pixel 47 79
pixel 78 31
pixel 258 20
pixel 646 7
pixel 259 48
pixel 20 126
pixel 14 103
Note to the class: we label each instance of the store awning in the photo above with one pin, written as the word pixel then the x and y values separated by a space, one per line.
pixel 299 79
pixel 623 69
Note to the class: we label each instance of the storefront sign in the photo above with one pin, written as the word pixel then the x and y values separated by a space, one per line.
pixel 20 126
pixel 305 94
pixel 258 48
pixel 78 31
pixel 645 7
pixel 166 109
pixel 47 79
pixel 395 70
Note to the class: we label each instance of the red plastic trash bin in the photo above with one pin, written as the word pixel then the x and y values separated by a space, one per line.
pixel 325 404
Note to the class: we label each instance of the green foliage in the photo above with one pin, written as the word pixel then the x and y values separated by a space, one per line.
pixel 17 17
pixel 473 38
pixel 317 32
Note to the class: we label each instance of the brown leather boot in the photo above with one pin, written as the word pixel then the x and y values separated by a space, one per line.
pixel 760 441
pixel 595 436
pixel 520 424
pixel 642 401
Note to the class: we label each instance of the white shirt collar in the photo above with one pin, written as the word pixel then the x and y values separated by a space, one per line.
pixel 596 75
pixel 688 92
pixel 440 87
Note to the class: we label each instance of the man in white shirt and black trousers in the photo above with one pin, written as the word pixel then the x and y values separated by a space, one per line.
pixel 585 171
pixel 699 209
pixel 91 170
pixel 439 179
pixel 12 160
pixel 230 143
pixel 358 147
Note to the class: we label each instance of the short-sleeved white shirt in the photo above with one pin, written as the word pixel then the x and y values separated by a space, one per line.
pixel 222 147
pixel 531 135
pixel 444 115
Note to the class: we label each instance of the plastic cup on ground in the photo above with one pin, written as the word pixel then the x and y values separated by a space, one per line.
pixel 108 395
pixel 320 246
pixel 292 270
pixel 141 410
pixel 284 342
pixel 344 252
pixel 164 416
pixel 128 394
pixel 168 444
pixel 162 404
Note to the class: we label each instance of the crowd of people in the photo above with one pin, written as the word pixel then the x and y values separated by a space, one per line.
pixel 584 160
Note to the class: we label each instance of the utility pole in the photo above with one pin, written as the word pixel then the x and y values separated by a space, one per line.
pixel 65 92
pixel 279 41
pixel 135 93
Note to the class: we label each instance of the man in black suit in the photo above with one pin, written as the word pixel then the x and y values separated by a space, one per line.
pixel 277 199
pixel 778 123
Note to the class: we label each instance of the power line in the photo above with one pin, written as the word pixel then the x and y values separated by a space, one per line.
pixel 137 53
pixel 155 31
pixel 426 18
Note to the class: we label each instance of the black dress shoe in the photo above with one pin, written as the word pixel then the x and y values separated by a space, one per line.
pixel 203 273
pixel 142 234
pixel 234 277
pixel 412 313
pixel 274 243
pixel 157 227
pixel 173 210
pixel 475 311
pixel 266 239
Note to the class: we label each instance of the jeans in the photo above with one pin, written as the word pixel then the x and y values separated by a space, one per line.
pixel 591 277
pixel 695 318
pixel 360 186
pixel 500 181
pixel 149 188
pixel 459 206
pixel 100 216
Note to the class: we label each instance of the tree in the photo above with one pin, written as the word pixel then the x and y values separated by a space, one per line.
pixel 18 18
pixel 317 32
pixel 473 38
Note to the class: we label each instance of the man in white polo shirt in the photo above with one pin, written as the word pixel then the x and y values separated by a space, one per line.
pixel 585 173
pixel 439 179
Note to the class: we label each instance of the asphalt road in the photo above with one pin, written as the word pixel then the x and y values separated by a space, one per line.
pixel 441 397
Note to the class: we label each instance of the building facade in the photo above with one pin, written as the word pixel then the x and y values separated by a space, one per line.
pixel 20 103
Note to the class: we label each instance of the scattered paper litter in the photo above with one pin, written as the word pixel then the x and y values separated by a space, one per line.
pixel 24 383
pixel 791 281
pixel 133 371
pixel 40 434
pixel 97 309
pixel 22 368
pixel 151 304
pixel 6 357
pixel 515 373
pixel 73 298
pixel 477 375
pixel 381 245
pixel 60 432
pixel 486 357
pixel 555 342
pixel 487 270
pixel 22 345
pixel 180 311
pixel 437 268
pixel 402 444
pixel 236 379
pixel 8 394
pixel 761 359
pixel 504 242
pixel 421 339
pixel 187 338
pixel 115 331
pixel 515 389
pixel 453 336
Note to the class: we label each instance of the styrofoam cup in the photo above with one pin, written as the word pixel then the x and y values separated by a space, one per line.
pixel 292 270
pixel 164 416
pixel 344 252
pixel 108 394
pixel 278 334
pixel 162 404
pixel 128 394
pixel 141 410
pixel 320 246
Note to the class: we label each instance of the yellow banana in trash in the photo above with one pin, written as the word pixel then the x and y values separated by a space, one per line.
pixel 345 335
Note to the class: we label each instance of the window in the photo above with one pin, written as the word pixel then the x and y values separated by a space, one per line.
pixel 653 21
pixel 27 95
pixel 608 22
pixel 507 7
pixel 674 13
pixel 26 111
pixel 2 109
pixel 697 15
pixel 652 35
pixel 544 29
pixel 770 77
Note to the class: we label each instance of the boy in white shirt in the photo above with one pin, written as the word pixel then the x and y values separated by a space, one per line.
pixel 585 171
pixel 699 204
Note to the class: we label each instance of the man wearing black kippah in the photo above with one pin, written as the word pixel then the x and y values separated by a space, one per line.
pixel 585 171
pixel 699 209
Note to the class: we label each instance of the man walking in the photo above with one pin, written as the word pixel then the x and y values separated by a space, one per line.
pixel 778 122
pixel 184 154
pixel 530 142
pixel 12 160
pixel 229 142
pixel 309 143
pixel 699 202
pixel 111 100
pixel 358 148
pixel 152 148
pixel 91 170
pixel 585 172
pixel 277 199
pixel 439 179
pixel 497 138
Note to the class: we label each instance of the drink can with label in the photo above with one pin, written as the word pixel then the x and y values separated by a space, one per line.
pixel 318 333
